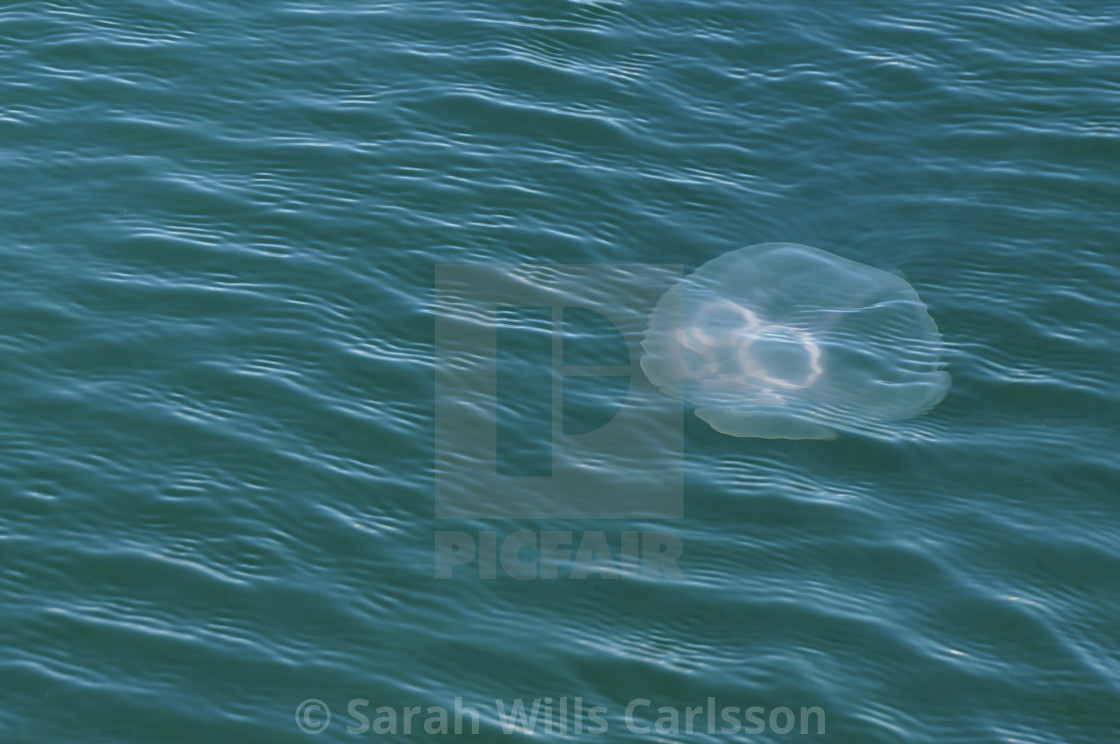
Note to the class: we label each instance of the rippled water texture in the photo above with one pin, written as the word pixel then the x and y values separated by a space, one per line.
pixel 220 230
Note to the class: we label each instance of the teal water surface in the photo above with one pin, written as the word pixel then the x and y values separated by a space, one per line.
pixel 221 224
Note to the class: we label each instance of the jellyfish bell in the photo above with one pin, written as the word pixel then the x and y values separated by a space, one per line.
pixel 781 340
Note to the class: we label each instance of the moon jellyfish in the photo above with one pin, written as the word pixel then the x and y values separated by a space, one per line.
pixel 784 341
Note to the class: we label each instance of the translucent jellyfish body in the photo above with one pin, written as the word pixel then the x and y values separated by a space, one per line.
pixel 784 341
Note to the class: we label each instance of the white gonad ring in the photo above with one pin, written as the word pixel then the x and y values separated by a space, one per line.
pixel 783 335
